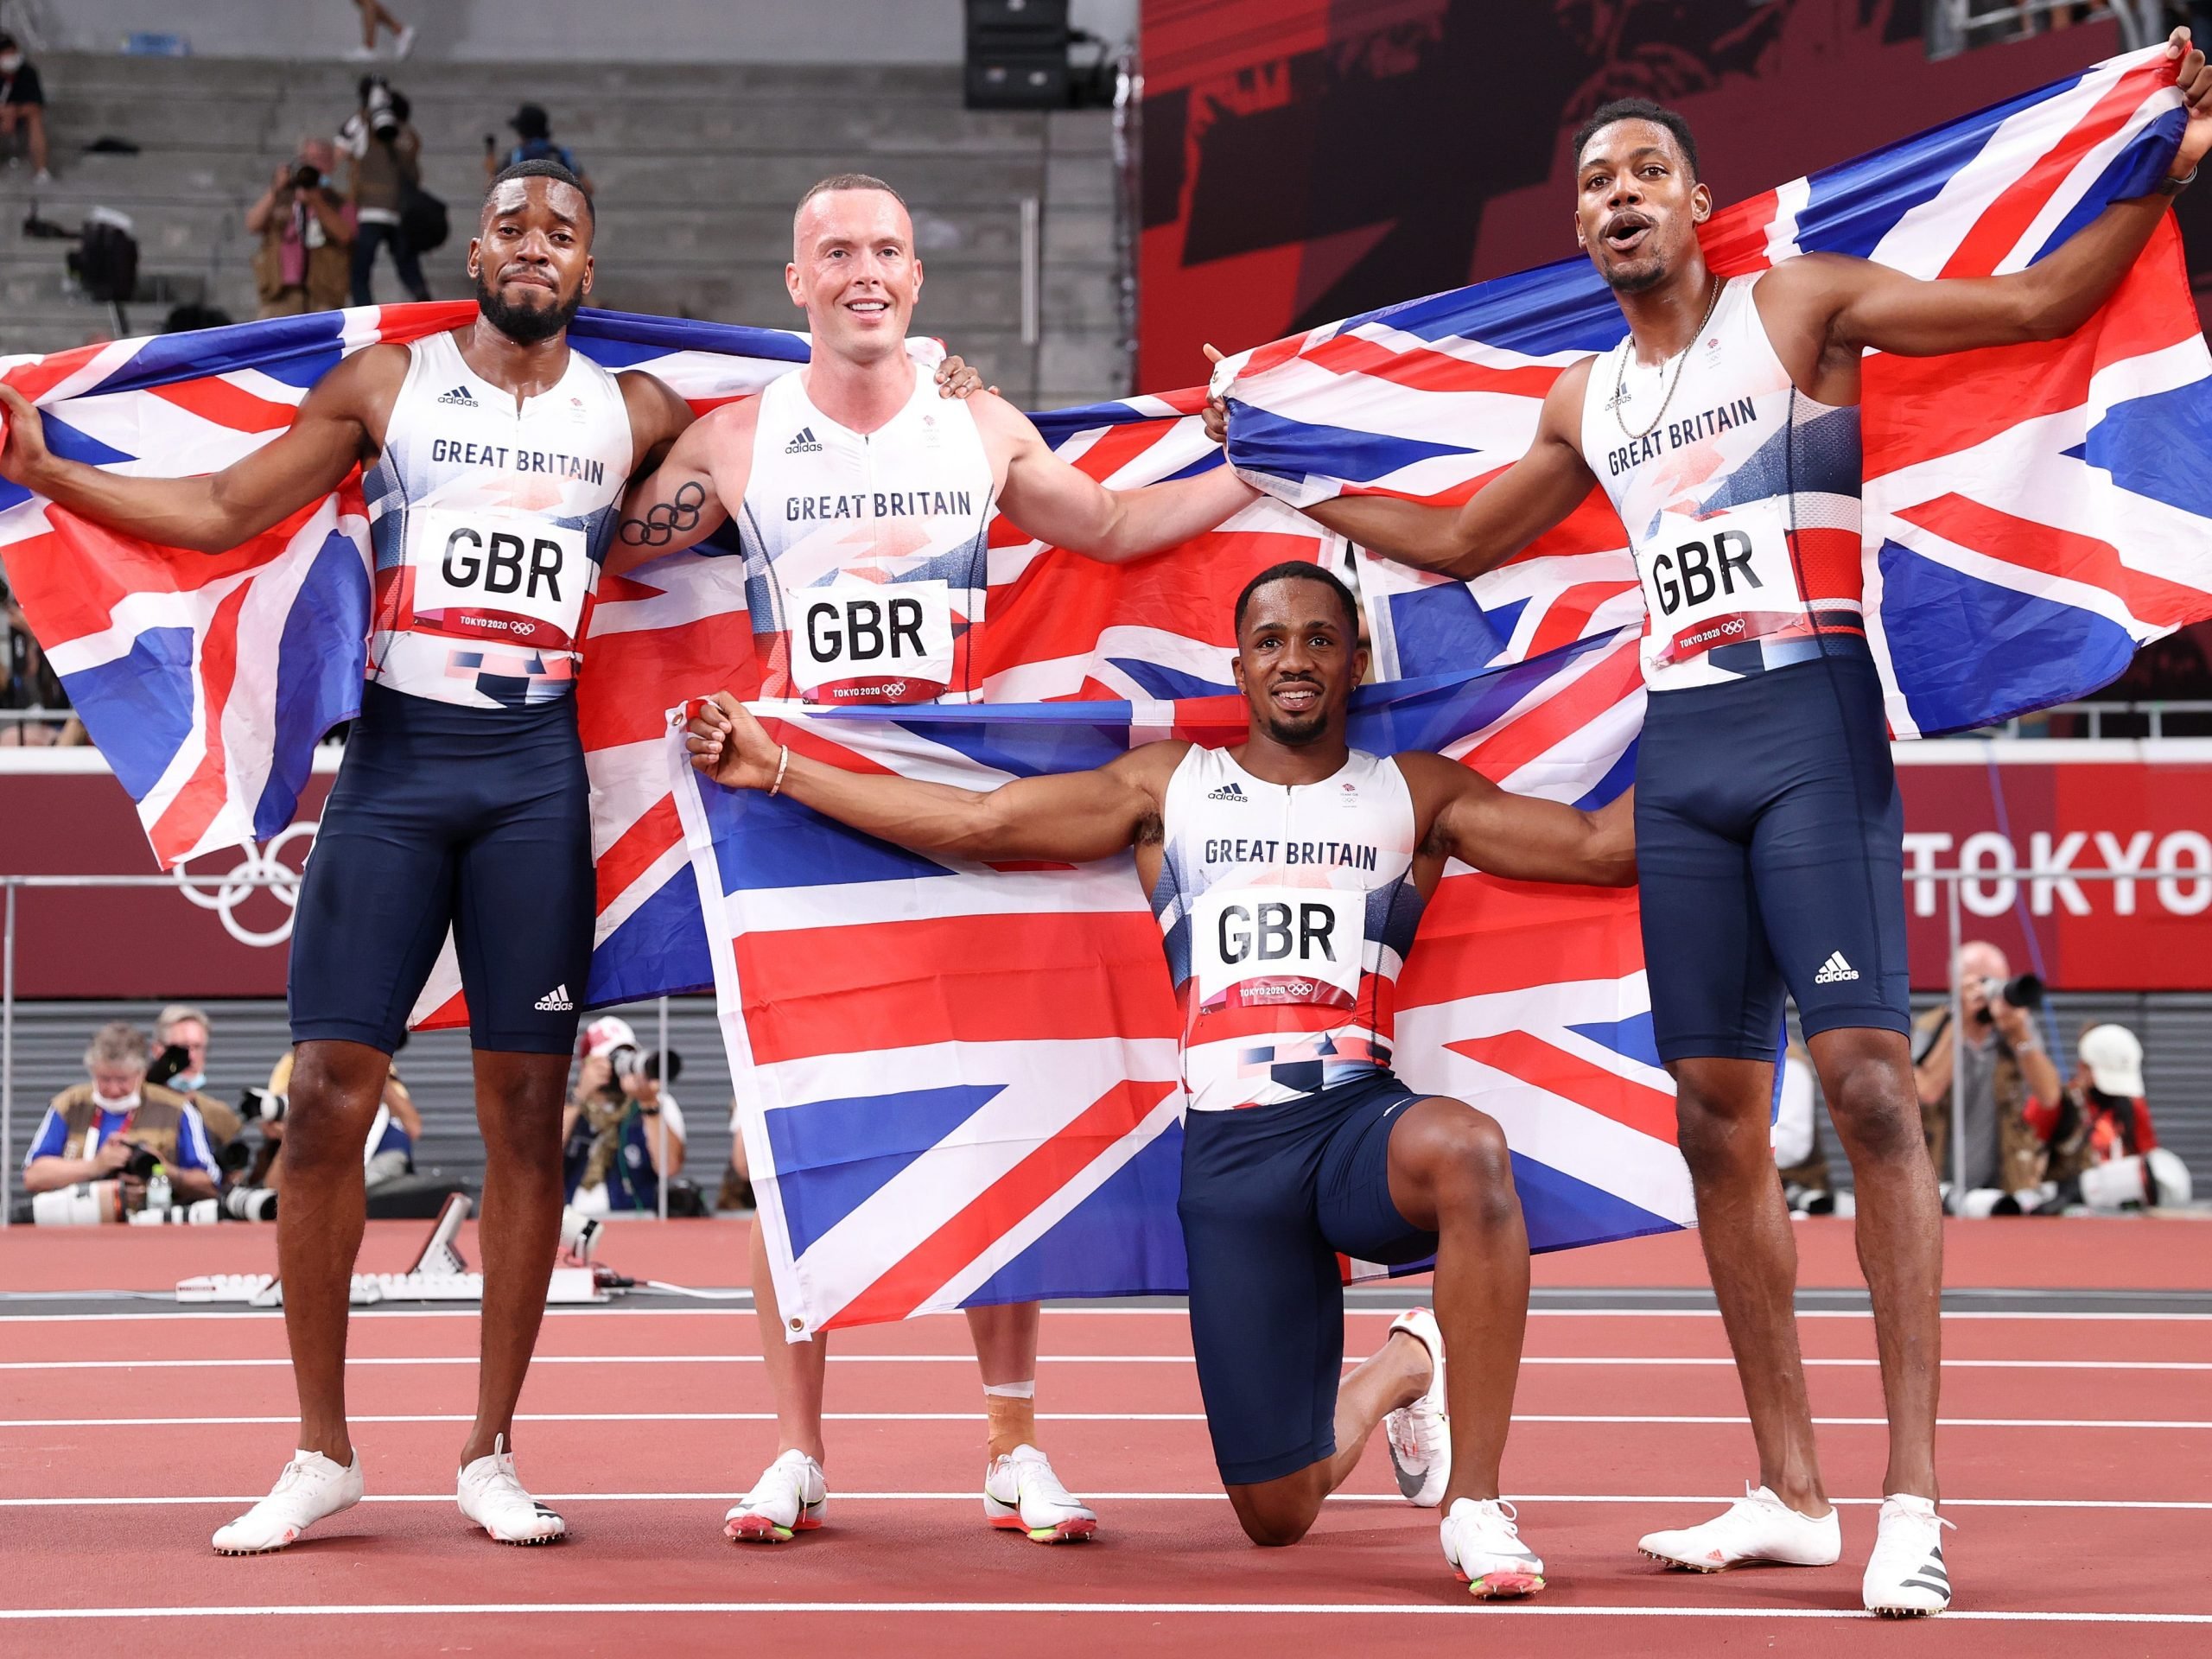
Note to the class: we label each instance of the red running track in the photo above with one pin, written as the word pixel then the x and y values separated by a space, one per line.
pixel 2073 1463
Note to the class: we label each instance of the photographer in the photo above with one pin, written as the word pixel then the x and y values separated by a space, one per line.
pixel 302 264
pixel 534 131
pixel 119 1129
pixel 2007 1076
pixel 179 1062
pixel 2104 1150
pixel 385 156
pixel 612 1128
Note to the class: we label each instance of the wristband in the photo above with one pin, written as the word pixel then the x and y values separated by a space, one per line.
pixel 782 766
pixel 2173 187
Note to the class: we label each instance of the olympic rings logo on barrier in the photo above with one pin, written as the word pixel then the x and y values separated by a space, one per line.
pixel 261 870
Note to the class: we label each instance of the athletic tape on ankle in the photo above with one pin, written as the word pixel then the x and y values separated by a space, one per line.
pixel 1010 1391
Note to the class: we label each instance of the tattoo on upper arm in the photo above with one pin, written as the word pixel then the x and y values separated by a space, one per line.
pixel 666 520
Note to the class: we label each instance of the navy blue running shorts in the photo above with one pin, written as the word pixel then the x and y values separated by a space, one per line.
pixel 1271 1195
pixel 1769 846
pixel 475 818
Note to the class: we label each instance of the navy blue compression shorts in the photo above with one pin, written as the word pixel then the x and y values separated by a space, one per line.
pixel 1271 1195
pixel 1769 847
pixel 475 818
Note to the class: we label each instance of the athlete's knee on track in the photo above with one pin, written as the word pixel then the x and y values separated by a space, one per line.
pixel 1278 1512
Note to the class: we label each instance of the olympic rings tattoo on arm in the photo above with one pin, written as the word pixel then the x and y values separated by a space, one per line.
pixel 666 520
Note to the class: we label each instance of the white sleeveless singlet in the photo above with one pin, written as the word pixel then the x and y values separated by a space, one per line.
pixel 1287 911
pixel 865 556
pixel 1741 504
pixel 488 525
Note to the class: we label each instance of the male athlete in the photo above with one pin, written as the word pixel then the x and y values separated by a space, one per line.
pixel 493 461
pixel 1725 429
pixel 1288 875
pixel 862 503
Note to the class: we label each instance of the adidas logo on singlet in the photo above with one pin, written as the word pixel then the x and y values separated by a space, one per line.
pixel 1228 792
pixel 459 399
pixel 555 1002
pixel 1835 970
pixel 803 444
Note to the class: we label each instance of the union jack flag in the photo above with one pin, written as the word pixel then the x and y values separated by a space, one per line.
pixel 958 1082
pixel 208 681
pixel 2033 513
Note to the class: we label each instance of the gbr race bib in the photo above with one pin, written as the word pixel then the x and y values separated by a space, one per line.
pixel 1263 947
pixel 854 641
pixel 1718 581
pixel 511 577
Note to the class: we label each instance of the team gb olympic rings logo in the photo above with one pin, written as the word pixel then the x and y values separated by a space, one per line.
pixel 261 870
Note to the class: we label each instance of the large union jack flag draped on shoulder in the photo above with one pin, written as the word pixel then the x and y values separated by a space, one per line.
pixel 958 1083
pixel 2033 513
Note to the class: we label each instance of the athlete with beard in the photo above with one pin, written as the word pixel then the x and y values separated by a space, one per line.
pixel 862 503
pixel 1288 875
pixel 492 459
pixel 1725 429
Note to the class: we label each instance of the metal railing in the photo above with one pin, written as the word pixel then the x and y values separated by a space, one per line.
pixel 11 886
pixel 1954 26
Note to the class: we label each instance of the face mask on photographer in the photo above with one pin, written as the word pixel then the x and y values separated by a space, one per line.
pixel 9 62
pixel 115 1090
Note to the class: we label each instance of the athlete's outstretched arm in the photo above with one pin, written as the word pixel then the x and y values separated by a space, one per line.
pixel 1070 816
pixel 680 502
pixel 1059 504
pixel 337 425
pixel 1522 836
pixel 1531 496
pixel 1867 305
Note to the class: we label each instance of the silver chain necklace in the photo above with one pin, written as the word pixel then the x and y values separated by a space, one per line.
pixel 1681 361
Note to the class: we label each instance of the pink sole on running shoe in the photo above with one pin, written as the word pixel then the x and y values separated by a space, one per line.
pixel 1502 1586
pixel 1682 1566
pixel 759 1529
pixel 1067 1532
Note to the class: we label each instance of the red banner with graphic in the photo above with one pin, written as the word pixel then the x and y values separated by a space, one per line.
pixel 218 936
pixel 1997 812
pixel 2123 808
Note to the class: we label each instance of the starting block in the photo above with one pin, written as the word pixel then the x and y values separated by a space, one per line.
pixel 439 1275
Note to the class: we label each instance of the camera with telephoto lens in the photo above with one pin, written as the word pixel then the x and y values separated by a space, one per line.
pixel 263 1105
pixel 2021 991
pixel 376 104
pixel 626 1059
pixel 141 1165
pixel 167 1066
pixel 305 175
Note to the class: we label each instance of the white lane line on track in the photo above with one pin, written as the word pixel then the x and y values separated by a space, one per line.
pixel 1625 1360
pixel 274 1315
pixel 1683 1420
pixel 842 1496
pixel 1463 1609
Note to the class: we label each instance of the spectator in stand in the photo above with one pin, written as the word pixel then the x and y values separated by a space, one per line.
pixel 614 1122
pixel 90 1131
pixel 2007 1076
pixel 182 1026
pixel 2104 1150
pixel 386 157
pixel 304 262
pixel 22 106
pixel 29 685
pixel 534 128
pixel 374 16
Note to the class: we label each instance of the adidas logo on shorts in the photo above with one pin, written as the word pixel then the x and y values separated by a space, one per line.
pixel 459 399
pixel 1228 792
pixel 555 1002
pixel 803 444
pixel 1835 970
